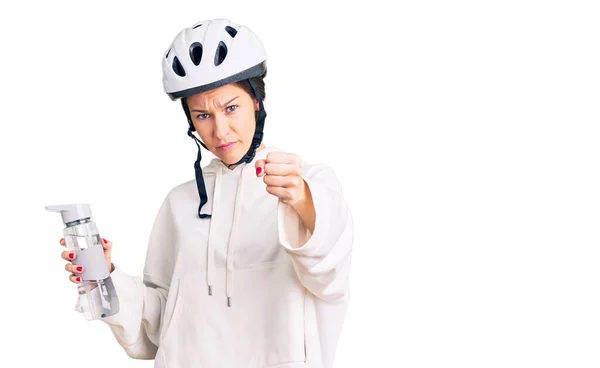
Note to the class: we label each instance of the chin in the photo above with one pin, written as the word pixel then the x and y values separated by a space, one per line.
pixel 232 156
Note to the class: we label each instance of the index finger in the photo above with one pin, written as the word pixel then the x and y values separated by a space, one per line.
pixel 282 158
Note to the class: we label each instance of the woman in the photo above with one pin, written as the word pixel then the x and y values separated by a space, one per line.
pixel 247 266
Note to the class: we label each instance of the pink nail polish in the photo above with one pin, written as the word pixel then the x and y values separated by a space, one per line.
pixel 104 240
pixel 71 255
pixel 79 279
pixel 79 268
pixel 258 171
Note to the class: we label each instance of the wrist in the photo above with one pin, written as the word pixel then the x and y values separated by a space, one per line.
pixel 301 202
pixel 305 208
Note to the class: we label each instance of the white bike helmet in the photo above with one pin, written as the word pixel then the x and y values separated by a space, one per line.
pixel 208 55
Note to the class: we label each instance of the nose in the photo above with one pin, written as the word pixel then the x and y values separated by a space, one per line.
pixel 221 127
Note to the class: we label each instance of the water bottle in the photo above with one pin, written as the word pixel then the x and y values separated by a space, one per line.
pixel 96 292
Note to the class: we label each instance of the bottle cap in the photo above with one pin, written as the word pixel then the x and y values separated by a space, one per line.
pixel 72 212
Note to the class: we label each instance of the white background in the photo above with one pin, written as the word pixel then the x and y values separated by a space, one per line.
pixel 465 135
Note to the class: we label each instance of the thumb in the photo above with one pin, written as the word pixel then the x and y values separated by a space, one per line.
pixel 260 167
pixel 107 245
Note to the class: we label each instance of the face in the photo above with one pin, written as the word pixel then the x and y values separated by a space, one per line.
pixel 225 120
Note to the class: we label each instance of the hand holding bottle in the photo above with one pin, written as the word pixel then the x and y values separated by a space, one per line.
pixel 75 270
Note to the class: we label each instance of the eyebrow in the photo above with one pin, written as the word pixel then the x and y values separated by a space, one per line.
pixel 225 104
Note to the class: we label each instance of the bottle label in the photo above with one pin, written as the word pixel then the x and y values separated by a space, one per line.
pixel 93 262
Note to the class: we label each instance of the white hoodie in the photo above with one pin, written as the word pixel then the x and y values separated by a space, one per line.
pixel 288 289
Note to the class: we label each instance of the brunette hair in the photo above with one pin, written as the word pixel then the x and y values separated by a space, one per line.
pixel 259 82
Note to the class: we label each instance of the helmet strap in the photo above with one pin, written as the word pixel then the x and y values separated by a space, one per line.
pixel 197 168
pixel 258 131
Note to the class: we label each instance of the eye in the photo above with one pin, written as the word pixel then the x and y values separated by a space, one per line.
pixel 202 116
pixel 231 108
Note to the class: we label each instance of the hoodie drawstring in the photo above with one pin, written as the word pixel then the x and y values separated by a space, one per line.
pixel 210 262
pixel 233 238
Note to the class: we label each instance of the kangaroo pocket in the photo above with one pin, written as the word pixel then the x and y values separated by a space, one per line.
pixel 263 327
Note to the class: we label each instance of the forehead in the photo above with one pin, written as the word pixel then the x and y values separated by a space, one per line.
pixel 221 95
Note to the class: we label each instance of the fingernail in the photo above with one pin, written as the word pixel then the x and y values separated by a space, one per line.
pixel 258 171
pixel 71 255
pixel 79 268
pixel 78 278
pixel 104 240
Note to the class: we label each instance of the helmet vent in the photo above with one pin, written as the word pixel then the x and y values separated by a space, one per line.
pixel 167 55
pixel 178 68
pixel 197 25
pixel 221 53
pixel 196 52
pixel 232 31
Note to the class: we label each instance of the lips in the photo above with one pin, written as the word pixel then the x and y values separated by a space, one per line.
pixel 226 146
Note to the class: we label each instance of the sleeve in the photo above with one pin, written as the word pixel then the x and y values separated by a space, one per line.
pixel 142 300
pixel 321 260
